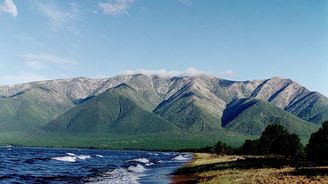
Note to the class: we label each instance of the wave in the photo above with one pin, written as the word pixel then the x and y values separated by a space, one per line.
pixel 100 156
pixel 156 154
pixel 117 176
pixel 83 157
pixel 71 157
pixel 149 164
pixel 137 169
pixel 141 160
pixel 180 158
pixel 65 158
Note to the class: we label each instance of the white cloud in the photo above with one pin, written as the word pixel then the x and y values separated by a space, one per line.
pixel 116 7
pixel 185 2
pixel 228 74
pixel 188 72
pixel 9 7
pixel 59 19
pixel 20 78
pixel 164 73
pixel 42 61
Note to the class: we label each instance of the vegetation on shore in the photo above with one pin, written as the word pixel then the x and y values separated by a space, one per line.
pixel 276 157
pixel 225 169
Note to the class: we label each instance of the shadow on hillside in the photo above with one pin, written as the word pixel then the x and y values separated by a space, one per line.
pixel 254 163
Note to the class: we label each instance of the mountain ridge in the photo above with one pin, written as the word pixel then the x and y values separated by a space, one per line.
pixel 187 104
pixel 283 93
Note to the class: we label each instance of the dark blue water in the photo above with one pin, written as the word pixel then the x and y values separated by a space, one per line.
pixel 43 165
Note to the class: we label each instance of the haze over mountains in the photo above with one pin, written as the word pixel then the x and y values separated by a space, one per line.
pixel 139 104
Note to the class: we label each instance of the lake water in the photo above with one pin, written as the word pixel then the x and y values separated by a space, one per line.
pixel 43 165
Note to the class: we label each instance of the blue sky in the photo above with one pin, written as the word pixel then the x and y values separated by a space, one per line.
pixel 233 39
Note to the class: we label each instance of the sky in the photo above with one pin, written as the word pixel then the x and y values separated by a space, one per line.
pixel 231 39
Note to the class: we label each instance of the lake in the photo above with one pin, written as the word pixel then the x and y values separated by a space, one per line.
pixel 45 165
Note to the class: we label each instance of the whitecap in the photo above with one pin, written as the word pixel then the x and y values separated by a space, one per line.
pixel 138 168
pixel 149 164
pixel 83 157
pixel 100 156
pixel 180 157
pixel 71 154
pixel 65 159
pixel 142 160
pixel 117 176
pixel 156 154
pixel 72 157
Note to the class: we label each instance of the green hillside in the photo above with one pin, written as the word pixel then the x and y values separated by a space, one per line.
pixel 120 110
pixel 31 109
pixel 189 113
pixel 251 116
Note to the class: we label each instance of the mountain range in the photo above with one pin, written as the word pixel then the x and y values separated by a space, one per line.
pixel 153 111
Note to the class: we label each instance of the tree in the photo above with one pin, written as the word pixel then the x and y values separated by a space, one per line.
pixel 222 148
pixel 250 147
pixel 317 149
pixel 287 145
pixel 269 136
pixel 275 139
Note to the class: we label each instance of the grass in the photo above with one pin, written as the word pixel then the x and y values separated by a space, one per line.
pixel 214 169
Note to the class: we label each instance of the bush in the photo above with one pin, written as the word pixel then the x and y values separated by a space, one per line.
pixel 317 149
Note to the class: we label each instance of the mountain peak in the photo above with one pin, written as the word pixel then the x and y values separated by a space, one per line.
pixel 277 78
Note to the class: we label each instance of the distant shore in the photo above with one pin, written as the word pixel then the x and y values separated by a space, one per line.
pixel 90 148
pixel 211 168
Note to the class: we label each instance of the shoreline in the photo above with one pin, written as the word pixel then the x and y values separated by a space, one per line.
pixel 177 177
pixel 189 172
pixel 236 169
